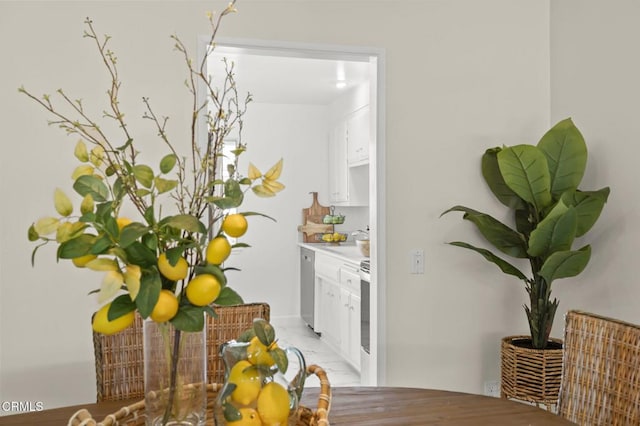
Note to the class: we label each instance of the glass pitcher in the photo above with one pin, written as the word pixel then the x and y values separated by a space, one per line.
pixel 255 390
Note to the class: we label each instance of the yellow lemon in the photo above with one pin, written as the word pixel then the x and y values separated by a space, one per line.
pixel 166 307
pixel 203 290
pixel 173 272
pixel 247 382
pixel 235 225
pixel 273 404
pixel 257 353
pixel 122 222
pixel 101 323
pixel 82 261
pixel 218 250
pixel 250 417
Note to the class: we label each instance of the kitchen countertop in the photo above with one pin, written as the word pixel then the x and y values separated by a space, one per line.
pixel 347 251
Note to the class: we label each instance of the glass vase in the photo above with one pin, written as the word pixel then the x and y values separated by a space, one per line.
pixel 257 399
pixel 175 375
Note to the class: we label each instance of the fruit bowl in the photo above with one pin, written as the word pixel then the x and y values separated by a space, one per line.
pixel 335 237
pixel 333 219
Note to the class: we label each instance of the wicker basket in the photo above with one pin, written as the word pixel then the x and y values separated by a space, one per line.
pixel 134 414
pixel 531 375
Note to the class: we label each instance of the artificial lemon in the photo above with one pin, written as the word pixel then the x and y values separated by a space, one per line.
pixel 257 353
pixel 166 307
pixel 218 250
pixel 81 261
pixel 235 225
pixel 101 323
pixel 273 404
pixel 203 290
pixel 249 417
pixel 122 222
pixel 247 381
pixel 173 272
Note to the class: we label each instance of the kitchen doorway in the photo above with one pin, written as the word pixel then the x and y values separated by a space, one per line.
pixel 257 62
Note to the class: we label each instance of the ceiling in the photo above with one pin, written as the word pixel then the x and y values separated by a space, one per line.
pixel 283 79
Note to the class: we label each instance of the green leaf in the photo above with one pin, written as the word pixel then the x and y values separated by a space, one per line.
pixel 119 190
pixel 264 331
pixel 280 357
pixel 101 244
pixel 32 234
pixel 132 232
pixel 143 174
pixel 246 335
pixel 257 214
pixel 189 318
pixel 164 185
pixel 566 153
pixel 494 179
pixel 167 163
pixel 150 286
pixel 149 216
pixel 524 169
pixel 231 413
pixel 228 297
pixel 588 205
pixel 555 232
pixel 141 255
pixel 89 184
pixel 224 203
pixel 564 264
pixel 500 235
pixel 505 266
pixel 76 247
pixel 185 222
pixel 120 306
pixel 233 191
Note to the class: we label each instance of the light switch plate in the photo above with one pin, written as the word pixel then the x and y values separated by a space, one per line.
pixel 416 259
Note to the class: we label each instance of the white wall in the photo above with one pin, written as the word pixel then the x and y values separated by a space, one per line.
pixel 461 75
pixel 595 72
pixel 270 268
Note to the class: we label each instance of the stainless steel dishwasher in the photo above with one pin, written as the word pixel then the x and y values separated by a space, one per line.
pixel 307 285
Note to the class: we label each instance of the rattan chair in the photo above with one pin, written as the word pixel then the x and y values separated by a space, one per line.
pixel 119 357
pixel 601 371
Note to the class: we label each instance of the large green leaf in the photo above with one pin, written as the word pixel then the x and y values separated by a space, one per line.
pixel 139 254
pixel 564 264
pixel 89 184
pixel 76 247
pixel 150 286
pixel 555 232
pixel 132 232
pixel 566 153
pixel 500 235
pixel 524 169
pixel 185 222
pixel 588 205
pixel 494 179
pixel 505 266
pixel 189 318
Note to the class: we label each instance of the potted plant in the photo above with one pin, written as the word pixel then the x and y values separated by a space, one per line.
pixel 539 185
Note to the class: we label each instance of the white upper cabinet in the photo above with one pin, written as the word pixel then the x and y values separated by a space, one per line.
pixel 338 171
pixel 358 137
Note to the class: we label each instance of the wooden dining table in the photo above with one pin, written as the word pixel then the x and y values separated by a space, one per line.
pixel 356 406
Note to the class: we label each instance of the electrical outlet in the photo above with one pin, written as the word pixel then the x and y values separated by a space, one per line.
pixel 492 388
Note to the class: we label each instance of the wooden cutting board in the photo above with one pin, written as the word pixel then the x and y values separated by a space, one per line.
pixel 312 221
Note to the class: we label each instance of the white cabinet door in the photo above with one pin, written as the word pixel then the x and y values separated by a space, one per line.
pixel 345 301
pixel 358 136
pixel 338 170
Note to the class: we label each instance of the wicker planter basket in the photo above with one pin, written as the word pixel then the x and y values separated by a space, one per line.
pixel 531 375
pixel 134 414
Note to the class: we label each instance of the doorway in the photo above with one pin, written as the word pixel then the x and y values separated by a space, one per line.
pixel 258 61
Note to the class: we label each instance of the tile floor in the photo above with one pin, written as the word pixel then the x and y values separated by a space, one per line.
pixel 292 331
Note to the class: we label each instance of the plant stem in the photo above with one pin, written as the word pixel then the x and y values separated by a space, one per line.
pixel 173 376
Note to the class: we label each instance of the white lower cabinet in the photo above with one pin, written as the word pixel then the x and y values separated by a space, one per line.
pixel 338 306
